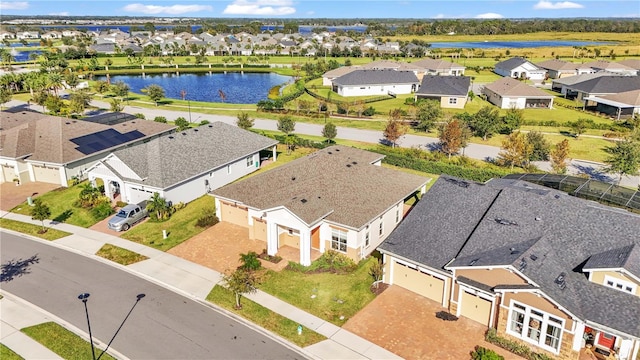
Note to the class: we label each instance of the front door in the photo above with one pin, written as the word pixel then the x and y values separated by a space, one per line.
pixel 315 238
pixel 606 340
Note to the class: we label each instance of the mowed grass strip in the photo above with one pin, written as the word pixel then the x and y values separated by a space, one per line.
pixel 63 342
pixel 180 227
pixel 120 255
pixel 8 354
pixel 336 295
pixel 264 317
pixel 31 229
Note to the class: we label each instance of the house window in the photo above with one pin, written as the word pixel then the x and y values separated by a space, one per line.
pixel 381 228
pixel 339 240
pixel 367 242
pixel 535 326
pixel 619 284
pixel 250 161
pixel 453 101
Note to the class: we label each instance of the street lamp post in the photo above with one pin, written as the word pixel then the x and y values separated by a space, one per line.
pixel 183 94
pixel 83 297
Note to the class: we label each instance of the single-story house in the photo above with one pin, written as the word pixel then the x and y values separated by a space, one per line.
pixel 450 91
pixel 376 82
pixel 338 198
pixel 622 105
pixel 632 63
pixel 557 69
pixel 27 35
pixel 508 93
pixel 329 76
pixel 7 35
pixel 38 147
pixel 439 67
pixel 614 67
pixel 561 85
pixel 520 68
pixel 604 85
pixel 545 269
pixel 182 166
pixel 52 35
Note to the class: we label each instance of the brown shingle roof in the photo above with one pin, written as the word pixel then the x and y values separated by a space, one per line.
pixel 48 138
pixel 628 97
pixel 511 87
pixel 339 181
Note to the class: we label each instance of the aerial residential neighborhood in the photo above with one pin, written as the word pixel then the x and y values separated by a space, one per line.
pixel 298 180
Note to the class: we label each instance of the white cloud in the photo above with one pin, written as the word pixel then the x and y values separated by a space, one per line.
pixel 548 5
pixel 489 16
pixel 62 13
pixel 311 12
pixel 13 5
pixel 439 16
pixel 170 10
pixel 260 7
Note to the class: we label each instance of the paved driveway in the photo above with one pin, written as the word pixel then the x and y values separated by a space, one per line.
pixel 12 195
pixel 404 323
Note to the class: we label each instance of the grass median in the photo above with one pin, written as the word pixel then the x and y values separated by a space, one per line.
pixel 8 354
pixel 63 342
pixel 33 230
pixel 120 255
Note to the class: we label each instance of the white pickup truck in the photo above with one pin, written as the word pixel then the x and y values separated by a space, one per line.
pixel 127 217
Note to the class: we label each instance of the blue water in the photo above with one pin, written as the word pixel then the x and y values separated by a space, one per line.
pixel 247 88
pixel 24 55
pixel 19 44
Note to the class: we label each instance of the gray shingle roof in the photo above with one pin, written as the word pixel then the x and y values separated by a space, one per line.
pixel 542 233
pixel 339 181
pixel 445 85
pixel 512 63
pixel 608 84
pixel 626 257
pixel 171 159
pixel 377 77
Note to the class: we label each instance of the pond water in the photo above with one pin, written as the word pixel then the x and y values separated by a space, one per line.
pixel 239 88
pixel 23 55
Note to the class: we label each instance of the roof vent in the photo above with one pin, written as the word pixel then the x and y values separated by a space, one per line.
pixel 170 137
pixel 460 183
pixel 473 262
pixel 133 122
pixel 68 123
pixel 557 196
pixel 354 162
pixel 561 280
pixel 304 201
pixel 502 221
pixel 196 130
pixel 293 178
pixel 348 165
pixel 73 121
pixel 337 149
pixel 523 264
pixel 210 126
pixel 184 133
pixel 514 251
pixel 538 219
pixel 533 257
pixel 329 152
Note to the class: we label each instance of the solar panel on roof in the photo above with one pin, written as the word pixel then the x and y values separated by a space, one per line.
pixel 102 140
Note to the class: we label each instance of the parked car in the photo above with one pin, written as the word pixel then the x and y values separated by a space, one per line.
pixel 127 217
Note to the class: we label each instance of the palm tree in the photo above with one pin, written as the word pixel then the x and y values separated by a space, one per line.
pixel 158 207
pixel 54 82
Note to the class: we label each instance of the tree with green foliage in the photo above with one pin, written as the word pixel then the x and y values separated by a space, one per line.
pixel 540 146
pixel 329 131
pixel 624 158
pixel 116 105
pixel 182 124
pixel 451 137
pixel 160 119
pixel 428 112
pixel 40 211
pixel 240 282
pixel 287 125
pixel 395 128
pixel 155 92
pixel 250 261
pixel 516 150
pixel 559 157
pixel 101 86
pixel 158 208
pixel 121 89
pixel 485 122
pixel 244 121
pixel 511 121
pixel 72 79
pixel 5 96
pixel 579 126
pixel 54 104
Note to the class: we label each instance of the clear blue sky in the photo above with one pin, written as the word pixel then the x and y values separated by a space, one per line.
pixel 425 9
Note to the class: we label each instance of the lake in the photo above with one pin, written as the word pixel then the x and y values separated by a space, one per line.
pixel 239 88
pixel 23 55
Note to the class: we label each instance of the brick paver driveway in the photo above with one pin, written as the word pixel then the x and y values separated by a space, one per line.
pixel 12 195
pixel 405 323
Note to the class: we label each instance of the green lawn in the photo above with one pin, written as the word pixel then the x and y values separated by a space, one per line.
pixel 180 227
pixel 60 201
pixel 8 354
pixel 34 230
pixel 335 295
pixel 62 341
pixel 264 317
pixel 120 255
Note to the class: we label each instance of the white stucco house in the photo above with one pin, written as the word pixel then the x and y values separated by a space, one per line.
pixel 376 82
pixel 182 166
pixel 338 198
pixel 509 93
pixel 520 68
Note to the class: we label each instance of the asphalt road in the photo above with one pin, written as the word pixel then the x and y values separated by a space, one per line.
pixel 163 325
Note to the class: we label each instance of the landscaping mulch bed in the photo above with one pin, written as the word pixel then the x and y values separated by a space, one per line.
pixel 379 289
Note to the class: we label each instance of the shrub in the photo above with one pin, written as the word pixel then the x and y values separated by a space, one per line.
pixel 370 111
pixel 121 204
pixel 250 261
pixel 204 122
pixel 160 119
pixel 178 206
pixel 481 353
pixel 139 116
pixel 101 208
pixel 207 219
pixel 513 346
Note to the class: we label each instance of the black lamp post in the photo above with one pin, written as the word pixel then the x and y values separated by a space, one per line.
pixel 84 297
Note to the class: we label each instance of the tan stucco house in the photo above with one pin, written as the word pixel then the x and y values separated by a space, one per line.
pixel 450 91
pixel 508 93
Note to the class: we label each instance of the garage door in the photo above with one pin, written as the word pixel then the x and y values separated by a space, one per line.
pixel 8 173
pixel 259 229
pixel 137 195
pixel 234 214
pixel 418 282
pixel 46 174
pixel 475 308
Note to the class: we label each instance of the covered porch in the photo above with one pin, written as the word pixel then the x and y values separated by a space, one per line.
pixel 539 103
pixel 605 344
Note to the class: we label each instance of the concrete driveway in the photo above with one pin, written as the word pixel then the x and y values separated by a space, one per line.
pixel 12 195
pixel 404 323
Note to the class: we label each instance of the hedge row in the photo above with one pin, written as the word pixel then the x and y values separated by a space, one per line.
pixel 514 347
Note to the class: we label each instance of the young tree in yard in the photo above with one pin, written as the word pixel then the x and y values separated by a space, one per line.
pixel 559 157
pixel 485 122
pixel 541 146
pixel 250 261
pixel 624 158
pixel 182 124
pixel 451 137
pixel 160 119
pixel 158 207
pixel 240 281
pixel 116 105
pixel 394 129
pixel 511 121
pixel 427 114
pixel 121 89
pixel 244 121
pixel 287 125
pixel 40 211
pixel 155 92
pixel 579 126
pixel 516 150
pixel 329 131
pixel 5 96
pixel 72 79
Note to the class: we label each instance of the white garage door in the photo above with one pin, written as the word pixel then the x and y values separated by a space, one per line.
pixel 46 174
pixel 137 195
pixel 237 215
pixel 418 282
pixel 475 308
pixel 8 173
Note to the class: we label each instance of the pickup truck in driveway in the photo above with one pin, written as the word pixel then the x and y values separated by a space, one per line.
pixel 126 217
